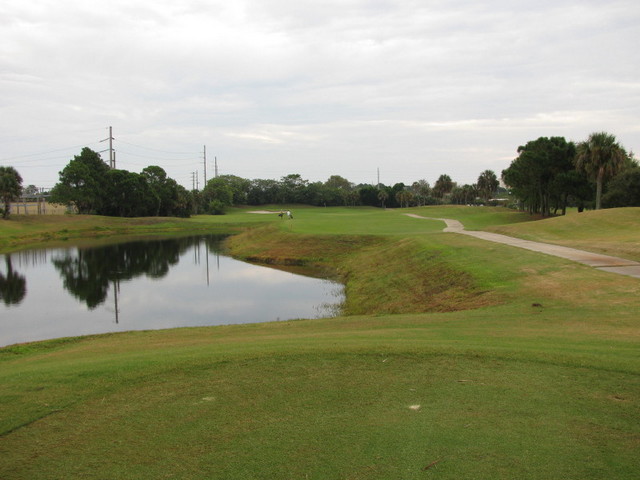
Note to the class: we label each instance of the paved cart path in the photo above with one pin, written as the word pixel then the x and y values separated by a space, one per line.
pixel 606 263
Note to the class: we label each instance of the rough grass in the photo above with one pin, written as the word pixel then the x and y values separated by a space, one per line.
pixel 542 381
pixel 381 274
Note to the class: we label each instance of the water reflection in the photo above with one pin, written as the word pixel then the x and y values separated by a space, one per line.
pixel 88 274
pixel 148 285
pixel 13 286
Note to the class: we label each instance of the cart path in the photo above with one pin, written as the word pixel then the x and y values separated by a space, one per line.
pixel 606 263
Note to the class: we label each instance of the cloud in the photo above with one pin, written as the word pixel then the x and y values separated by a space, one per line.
pixel 316 88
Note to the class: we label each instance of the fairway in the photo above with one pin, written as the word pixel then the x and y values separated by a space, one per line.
pixel 454 358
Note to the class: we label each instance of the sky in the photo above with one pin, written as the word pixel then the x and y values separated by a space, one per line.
pixel 403 89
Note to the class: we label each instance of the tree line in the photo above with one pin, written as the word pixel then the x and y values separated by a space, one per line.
pixel 230 190
pixel 89 186
pixel 549 174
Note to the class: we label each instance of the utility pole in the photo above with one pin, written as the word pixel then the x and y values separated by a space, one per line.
pixel 112 154
pixel 378 185
pixel 216 166
pixel 205 164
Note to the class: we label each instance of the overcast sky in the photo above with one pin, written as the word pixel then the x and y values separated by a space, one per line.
pixel 415 89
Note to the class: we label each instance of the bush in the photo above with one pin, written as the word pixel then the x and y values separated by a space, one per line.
pixel 216 207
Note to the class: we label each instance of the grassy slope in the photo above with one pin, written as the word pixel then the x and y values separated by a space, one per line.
pixel 505 391
pixel 613 232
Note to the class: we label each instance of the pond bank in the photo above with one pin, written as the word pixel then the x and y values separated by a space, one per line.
pixel 382 275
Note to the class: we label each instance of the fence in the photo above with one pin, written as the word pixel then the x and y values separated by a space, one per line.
pixel 36 206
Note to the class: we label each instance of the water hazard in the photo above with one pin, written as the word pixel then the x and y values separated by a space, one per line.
pixel 148 285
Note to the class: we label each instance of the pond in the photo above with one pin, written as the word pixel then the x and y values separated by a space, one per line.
pixel 151 284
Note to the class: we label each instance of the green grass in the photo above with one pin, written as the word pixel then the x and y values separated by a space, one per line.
pixel 369 221
pixel 475 218
pixel 375 221
pixel 27 231
pixel 506 389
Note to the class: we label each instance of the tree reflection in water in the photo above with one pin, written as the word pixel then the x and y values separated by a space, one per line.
pixel 149 285
pixel 88 274
pixel 13 286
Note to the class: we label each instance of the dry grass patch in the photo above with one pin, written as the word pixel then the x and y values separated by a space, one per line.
pixel 581 286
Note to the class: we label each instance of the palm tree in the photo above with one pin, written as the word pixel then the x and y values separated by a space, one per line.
pixel 487 184
pixel 443 185
pixel 382 196
pixel 600 156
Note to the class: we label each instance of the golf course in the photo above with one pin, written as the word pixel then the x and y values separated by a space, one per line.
pixel 452 358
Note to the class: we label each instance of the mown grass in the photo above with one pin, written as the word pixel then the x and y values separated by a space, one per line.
pixel 539 380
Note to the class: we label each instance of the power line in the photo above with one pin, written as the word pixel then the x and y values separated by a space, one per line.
pixel 167 158
pixel 27 155
pixel 127 152
pixel 156 149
